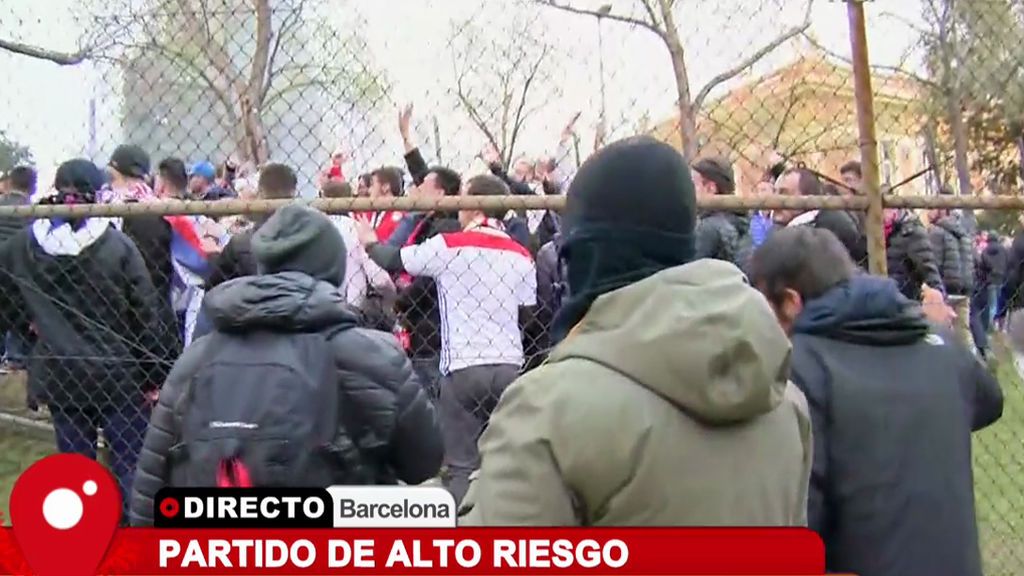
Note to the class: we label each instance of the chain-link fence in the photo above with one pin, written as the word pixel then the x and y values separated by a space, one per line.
pixel 214 90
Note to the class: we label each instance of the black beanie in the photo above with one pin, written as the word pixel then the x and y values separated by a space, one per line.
pixel 638 182
pixel 81 176
pixel 630 213
pixel 298 238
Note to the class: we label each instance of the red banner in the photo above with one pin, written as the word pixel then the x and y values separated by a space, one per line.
pixel 497 551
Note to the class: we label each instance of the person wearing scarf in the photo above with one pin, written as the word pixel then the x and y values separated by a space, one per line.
pixel 84 288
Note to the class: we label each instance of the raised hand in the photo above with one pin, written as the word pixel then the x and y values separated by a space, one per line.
pixel 404 120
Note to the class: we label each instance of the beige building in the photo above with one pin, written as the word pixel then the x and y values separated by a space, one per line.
pixel 806 110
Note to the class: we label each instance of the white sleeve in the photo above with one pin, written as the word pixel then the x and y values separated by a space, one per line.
pixel 526 291
pixel 375 275
pixel 430 258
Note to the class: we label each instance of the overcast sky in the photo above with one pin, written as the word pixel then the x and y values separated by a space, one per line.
pixel 46 107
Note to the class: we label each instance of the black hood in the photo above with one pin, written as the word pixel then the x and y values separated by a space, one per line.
pixel 865 310
pixel 286 301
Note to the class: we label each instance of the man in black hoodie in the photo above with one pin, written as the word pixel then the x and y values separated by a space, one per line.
pixel 84 286
pixel 22 186
pixel 382 410
pixel 720 235
pixel 992 267
pixel 893 403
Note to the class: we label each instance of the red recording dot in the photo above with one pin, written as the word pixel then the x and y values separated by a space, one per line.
pixel 169 507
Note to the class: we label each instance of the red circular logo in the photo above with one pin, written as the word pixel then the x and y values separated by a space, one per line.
pixel 169 507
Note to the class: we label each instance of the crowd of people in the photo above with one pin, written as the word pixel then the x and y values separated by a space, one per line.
pixel 630 361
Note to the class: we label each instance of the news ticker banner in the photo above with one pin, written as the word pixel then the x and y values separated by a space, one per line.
pixel 65 512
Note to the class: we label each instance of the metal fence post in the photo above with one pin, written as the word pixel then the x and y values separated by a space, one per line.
pixel 868 143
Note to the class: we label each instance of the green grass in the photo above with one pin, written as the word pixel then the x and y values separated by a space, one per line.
pixel 998 469
pixel 999 478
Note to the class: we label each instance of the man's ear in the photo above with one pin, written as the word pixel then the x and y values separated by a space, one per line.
pixel 792 304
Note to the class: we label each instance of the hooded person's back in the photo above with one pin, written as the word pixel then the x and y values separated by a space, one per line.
pixel 301 257
pixel 894 403
pixel 85 288
pixel 667 402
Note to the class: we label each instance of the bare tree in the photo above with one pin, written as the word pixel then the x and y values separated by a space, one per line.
pixel 242 52
pixel 659 19
pixel 183 33
pixel 496 76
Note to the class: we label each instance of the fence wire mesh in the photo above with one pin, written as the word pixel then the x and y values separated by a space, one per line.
pixel 213 91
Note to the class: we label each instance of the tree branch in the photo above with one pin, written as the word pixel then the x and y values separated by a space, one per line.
pixel 794 97
pixel 754 58
pixel 652 27
pixel 261 56
pixel 470 108
pixel 59 58
pixel 520 117
pixel 650 12
pixel 878 67
pixel 290 22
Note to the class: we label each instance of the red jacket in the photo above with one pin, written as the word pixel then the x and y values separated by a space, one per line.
pixel 385 223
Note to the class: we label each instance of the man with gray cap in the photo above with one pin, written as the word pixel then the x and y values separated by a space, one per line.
pixel 720 234
pixel 667 401
pixel 286 361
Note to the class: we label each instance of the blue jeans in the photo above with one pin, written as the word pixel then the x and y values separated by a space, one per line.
pixel 124 427
pixel 993 305
pixel 15 349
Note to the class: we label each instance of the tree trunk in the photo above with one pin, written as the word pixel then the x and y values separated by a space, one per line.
pixel 960 159
pixel 253 144
pixel 687 117
pixel 931 150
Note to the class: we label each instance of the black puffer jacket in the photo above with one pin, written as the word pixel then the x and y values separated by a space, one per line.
pixel 954 255
pixel 94 309
pixel 550 289
pixel 152 236
pixel 720 236
pixel 909 256
pixel 383 408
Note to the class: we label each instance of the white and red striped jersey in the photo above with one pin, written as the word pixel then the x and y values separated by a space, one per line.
pixel 483 276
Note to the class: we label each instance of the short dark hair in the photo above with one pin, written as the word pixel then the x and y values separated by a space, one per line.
pixel 364 179
pixel 808 183
pixel 174 172
pixel 488 185
pixel 277 182
pixel 449 180
pixel 805 259
pixel 391 176
pixel 24 179
pixel 336 189
pixel 852 166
